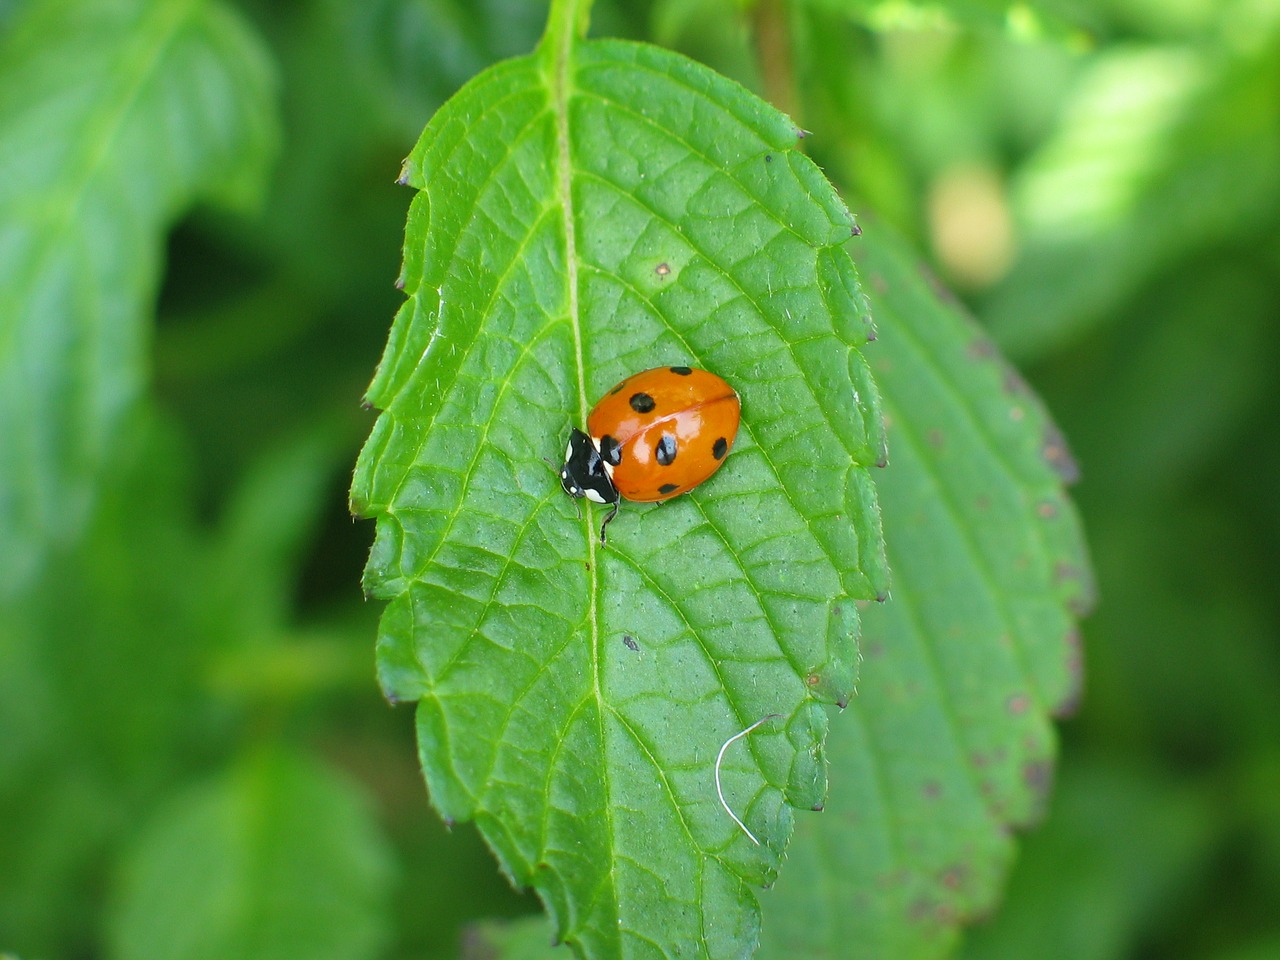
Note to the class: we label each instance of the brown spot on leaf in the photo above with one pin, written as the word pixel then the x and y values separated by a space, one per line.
pixel 982 348
pixel 955 876
pixel 662 270
pixel 1056 453
pixel 1038 776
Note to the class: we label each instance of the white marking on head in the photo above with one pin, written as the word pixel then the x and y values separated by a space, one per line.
pixel 608 468
pixel 564 474
pixel 594 496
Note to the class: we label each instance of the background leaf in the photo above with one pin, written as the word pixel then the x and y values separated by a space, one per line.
pixel 133 111
pixel 949 741
pixel 587 212
pixel 279 858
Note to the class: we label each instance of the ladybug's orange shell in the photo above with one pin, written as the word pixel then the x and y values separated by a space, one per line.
pixel 696 410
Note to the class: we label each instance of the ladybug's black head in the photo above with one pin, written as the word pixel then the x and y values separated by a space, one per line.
pixel 585 473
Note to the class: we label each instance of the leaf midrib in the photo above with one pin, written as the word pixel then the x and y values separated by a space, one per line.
pixel 562 32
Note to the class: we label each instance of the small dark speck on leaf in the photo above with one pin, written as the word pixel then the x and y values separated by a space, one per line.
pixel 630 642
pixel 932 789
pixel 768 158
pixel 1047 510
pixel 1018 704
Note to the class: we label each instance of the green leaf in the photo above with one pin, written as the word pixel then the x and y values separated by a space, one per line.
pixel 115 116
pixel 525 939
pixel 279 858
pixel 1160 156
pixel 592 210
pixel 120 678
pixel 949 742
pixel 1072 897
pixel 1025 18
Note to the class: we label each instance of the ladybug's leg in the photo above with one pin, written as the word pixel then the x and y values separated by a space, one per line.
pixel 612 513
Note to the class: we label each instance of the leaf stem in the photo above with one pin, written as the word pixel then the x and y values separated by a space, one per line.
pixel 567 21
pixel 774 53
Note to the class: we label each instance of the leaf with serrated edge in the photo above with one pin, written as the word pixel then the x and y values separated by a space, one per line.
pixel 592 210
pixel 949 742
pixel 114 117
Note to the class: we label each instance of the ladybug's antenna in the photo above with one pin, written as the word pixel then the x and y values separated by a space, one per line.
pixel 720 757
pixel 612 513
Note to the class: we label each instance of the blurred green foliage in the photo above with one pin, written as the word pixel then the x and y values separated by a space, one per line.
pixel 1099 180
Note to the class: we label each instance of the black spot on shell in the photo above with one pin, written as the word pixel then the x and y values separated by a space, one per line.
pixel 720 449
pixel 668 488
pixel 641 402
pixel 682 371
pixel 666 450
pixel 611 450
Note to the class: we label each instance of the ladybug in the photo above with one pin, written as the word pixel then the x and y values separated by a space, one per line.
pixel 657 434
